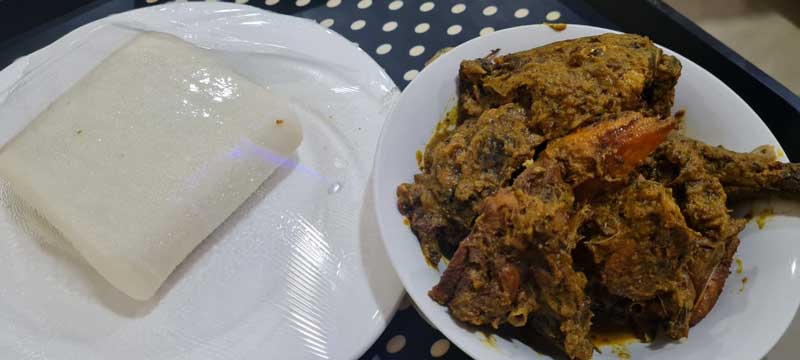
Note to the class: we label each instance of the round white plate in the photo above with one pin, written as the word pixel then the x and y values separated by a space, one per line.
pixel 298 272
pixel 743 325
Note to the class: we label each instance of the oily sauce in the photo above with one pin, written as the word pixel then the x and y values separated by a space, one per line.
pixel 607 334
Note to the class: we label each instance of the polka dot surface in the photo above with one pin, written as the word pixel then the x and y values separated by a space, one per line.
pixel 553 16
pixel 383 49
pixel 271 2
pixel 395 344
pixel 302 2
pixel 416 50
pixel 440 347
pixel 389 26
pixel 363 4
pixel 454 30
pixel 403 35
pixel 427 6
pixel 358 24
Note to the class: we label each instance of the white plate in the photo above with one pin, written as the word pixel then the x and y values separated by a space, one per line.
pixel 298 272
pixel 743 325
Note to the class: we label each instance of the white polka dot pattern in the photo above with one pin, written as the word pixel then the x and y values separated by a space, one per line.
pixel 450 23
pixel 363 4
pixel 454 30
pixel 383 49
pixel 327 22
pixel 395 344
pixel 410 75
pixel 358 24
pixel 389 26
pixel 440 347
pixel 241 1
pixel 426 24
pixel 458 8
pixel 427 6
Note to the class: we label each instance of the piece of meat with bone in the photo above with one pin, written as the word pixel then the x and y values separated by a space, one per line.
pixel 516 264
pixel 641 246
pixel 702 176
pixel 461 169
pixel 741 174
pixel 569 83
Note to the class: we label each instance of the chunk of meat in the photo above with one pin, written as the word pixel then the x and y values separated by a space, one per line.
pixel 701 176
pixel 569 83
pixel 641 251
pixel 516 264
pixel 460 170
pixel 741 174
pixel 710 291
pixel 704 205
pixel 604 153
pixel 476 282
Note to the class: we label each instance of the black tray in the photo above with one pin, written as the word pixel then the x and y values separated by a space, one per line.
pixel 29 25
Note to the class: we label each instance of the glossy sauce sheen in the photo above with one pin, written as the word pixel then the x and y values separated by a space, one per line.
pixel 145 156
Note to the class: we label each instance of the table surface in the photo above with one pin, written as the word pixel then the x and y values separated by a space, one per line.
pixel 401 36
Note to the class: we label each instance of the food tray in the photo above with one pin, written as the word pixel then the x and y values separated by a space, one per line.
pixel 402 38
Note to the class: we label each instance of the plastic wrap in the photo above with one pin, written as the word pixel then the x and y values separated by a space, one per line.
pixel 297 272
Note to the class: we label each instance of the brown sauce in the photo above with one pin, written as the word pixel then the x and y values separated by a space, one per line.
pixel 608 334
pixel 763 216
pixel 488 340
pixel 557 26
pixel 744 282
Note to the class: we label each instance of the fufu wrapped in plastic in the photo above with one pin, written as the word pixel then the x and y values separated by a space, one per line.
pixel 146 155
